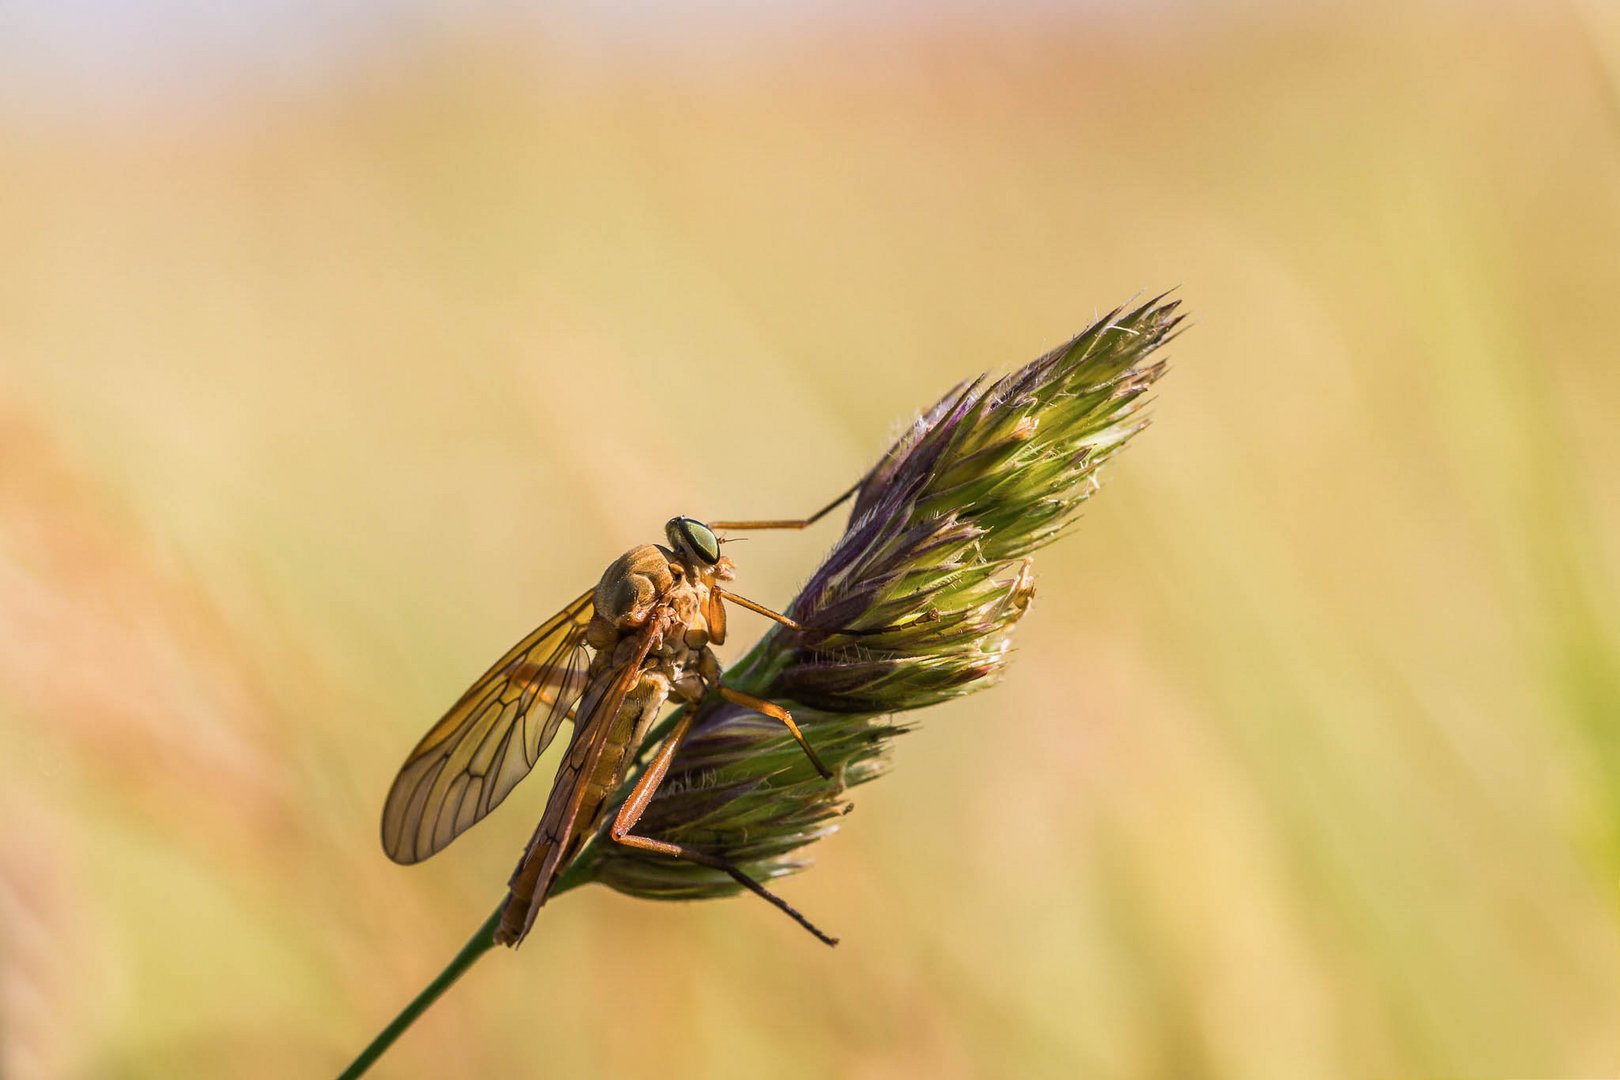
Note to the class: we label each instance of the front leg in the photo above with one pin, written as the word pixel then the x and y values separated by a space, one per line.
pixel 793 523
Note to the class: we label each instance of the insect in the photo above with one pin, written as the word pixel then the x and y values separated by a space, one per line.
pixel 609 661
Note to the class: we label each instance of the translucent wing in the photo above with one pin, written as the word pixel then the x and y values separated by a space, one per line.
pixel 489 740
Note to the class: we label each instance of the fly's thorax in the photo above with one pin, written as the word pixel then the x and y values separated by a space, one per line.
pixel 646 583
pixel 653 589
pixel 632 586
pixel 685 606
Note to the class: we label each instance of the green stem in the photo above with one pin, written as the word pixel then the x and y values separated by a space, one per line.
pixel 481 942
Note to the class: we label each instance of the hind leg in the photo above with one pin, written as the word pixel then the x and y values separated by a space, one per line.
pixel 636 805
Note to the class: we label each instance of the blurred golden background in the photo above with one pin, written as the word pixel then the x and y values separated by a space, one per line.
pixel 335 353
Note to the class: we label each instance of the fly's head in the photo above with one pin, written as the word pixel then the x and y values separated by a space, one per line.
pixel 698 547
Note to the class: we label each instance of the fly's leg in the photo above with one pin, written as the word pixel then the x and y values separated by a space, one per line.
pixel 796 523
pixel 636 805
pixel 775 712
pixel 931 615
pixel 760 609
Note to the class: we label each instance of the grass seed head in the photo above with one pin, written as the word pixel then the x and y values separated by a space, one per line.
pixel 936 568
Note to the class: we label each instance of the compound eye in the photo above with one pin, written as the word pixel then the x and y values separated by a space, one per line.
pixel 701 539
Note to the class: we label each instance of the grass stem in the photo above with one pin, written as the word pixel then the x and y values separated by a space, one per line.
pixel 481 942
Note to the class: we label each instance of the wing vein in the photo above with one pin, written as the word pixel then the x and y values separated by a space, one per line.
pixel 447 770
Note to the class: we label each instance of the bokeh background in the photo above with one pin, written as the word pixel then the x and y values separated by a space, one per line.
pixel 341 343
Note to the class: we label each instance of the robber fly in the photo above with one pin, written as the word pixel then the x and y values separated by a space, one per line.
pixel 609 662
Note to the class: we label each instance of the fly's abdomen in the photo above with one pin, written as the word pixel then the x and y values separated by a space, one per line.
pixel 564 830
pixel 641 706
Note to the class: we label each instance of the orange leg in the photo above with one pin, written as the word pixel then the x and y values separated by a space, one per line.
pixel 795 523
pixel 931 615
pixel 775 712
pixel 636 805
pixel 743 601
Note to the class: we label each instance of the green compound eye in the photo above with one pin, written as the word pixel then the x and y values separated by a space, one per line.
pixel 701 539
